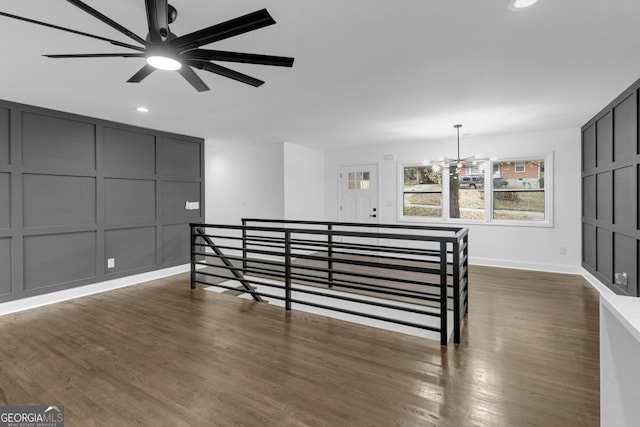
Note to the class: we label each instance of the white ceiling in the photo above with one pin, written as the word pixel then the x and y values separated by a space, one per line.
pixel 366 71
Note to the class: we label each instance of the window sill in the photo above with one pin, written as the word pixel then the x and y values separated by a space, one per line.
pixel 493 223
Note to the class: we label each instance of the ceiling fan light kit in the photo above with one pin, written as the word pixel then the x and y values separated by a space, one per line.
pixel 521 4
pixel 164 50
pixel 163 62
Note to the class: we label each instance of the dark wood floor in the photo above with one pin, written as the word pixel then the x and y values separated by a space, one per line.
pixel 160 354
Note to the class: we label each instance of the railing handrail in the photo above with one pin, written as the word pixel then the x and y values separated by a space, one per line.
pixel 448 260
pixel 355 224
pixel 458 231
pixel 333 232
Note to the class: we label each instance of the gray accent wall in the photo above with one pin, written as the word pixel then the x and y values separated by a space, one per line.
pixel 76 191
pixel 610 184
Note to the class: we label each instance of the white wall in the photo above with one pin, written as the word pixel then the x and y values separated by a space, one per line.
pixel 536 248
pixel 303 183
pixel 244 182
pixel 279 180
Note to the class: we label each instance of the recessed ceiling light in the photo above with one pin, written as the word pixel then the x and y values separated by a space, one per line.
pixel 142 109
pixel 521 4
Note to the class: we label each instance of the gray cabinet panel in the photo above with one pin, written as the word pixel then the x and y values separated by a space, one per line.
pixel 129 153
pixel 604 253
pixel 624 126
pixel 129 200
pixel 5 200
pixel 589 196
pixel 4 136
pixel 589 148
pixel 624 249
pixel 624 197
pixel 604 140
pixel 589 245
pixel 174 196
pixel 180 158
pixel 176 243
pixel 604 187
pixel 58 200
pixel 5 266
pixel 54 259
pixel 131 248
pixel 52 143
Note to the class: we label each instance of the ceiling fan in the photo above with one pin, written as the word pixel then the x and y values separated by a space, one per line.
pixel 164 50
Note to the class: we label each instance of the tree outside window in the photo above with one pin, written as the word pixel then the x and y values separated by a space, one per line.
pixel 506 190
pixel 422 191
pixel 467 192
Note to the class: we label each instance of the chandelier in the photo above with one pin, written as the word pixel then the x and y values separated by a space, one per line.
pixel 455 164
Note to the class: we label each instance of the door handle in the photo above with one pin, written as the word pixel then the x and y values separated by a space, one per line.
pixel 373 216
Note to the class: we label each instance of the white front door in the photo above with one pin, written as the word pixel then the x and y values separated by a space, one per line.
pixel 359 194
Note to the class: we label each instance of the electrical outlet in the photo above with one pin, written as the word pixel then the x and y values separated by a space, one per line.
pixel 111 262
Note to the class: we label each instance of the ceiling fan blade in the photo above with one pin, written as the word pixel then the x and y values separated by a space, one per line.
pixel 91 11
pixel 98 55
pixel 158 18
pixel 226 72
pixel 195 81
pixel 141 74
pixel 233 27
pixel 248 58
pixel 69 30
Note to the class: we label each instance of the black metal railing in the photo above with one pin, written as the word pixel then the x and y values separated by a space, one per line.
pixel 390 268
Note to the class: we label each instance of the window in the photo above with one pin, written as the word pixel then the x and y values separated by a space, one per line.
pixel 507 191
pixel 422 191
pixel 358 180
pixel 520 197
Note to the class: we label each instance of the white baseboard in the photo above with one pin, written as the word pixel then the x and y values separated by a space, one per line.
pixel 82 291
pixel 523 265
pixel 597 284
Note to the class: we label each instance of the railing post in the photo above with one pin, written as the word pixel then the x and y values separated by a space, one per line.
pixel 287 270
pixel 244 245
pixel 443 294
pixel 193 256
pixel 330 254
pixel 456 291
pixel 466 272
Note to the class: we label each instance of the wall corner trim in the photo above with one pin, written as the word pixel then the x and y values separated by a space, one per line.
pixel 597 284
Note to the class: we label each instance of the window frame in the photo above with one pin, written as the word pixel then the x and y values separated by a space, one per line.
pixel 402 193
pixel 489 195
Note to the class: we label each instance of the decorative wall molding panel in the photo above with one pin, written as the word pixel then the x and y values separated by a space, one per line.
pixel 84 200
